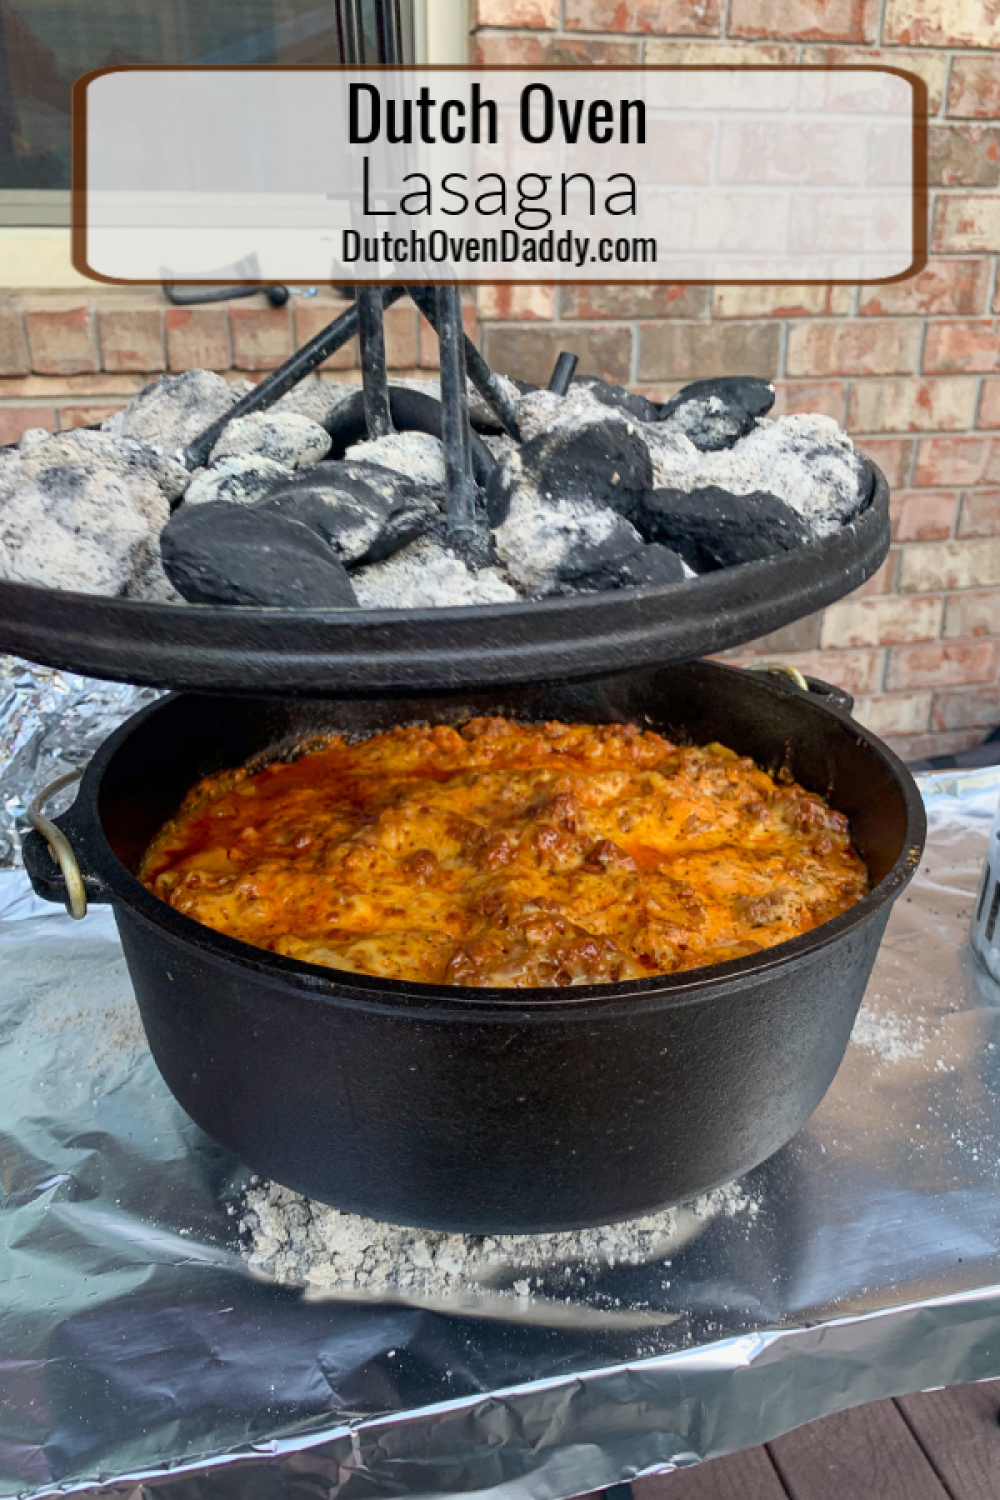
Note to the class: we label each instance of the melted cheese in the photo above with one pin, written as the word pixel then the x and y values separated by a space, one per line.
pixel 507 854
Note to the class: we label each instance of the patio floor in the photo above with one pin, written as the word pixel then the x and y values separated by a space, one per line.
pixel 942 1445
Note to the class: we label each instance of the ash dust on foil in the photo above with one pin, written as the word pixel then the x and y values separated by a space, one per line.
pixel 296 1242
pixel 892 1037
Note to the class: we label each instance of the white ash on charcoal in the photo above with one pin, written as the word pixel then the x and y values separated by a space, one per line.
pixel 607 491
pixel 129 457
pixel 284 438
pixel 315 399
pixel 419 455
pixel 152 586
pixel 427 575
pixel 79 527
pixel 240 480
pixel 173 410
pixel 629 403
pixel 560 503
pixel 239 554
pixel 362 511
pixel 717 413
pixel 806 460
pixel 600 458
pixel 711 529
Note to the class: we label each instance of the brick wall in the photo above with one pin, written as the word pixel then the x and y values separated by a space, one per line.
pixel 70 360
pixel 912 369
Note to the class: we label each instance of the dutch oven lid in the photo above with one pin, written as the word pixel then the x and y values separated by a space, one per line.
pixel 242 650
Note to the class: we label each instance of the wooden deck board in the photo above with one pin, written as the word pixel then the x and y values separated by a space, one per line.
pixel 860 1454
pixel 960 1435
pixel 743 1476
pixel 940 1445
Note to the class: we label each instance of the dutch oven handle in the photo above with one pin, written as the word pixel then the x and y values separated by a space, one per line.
pixel 836 697
pixel 50 859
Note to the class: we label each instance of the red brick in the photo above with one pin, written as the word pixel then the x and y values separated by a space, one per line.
pixel 975 612
pixel 85 416
pixel 974 88
pixel 966 709
pixel 686 351
pixel 989 404
pixel 886 621
pixel 826 397
pixel 539 50
pixel 309 318
pixel 966 221
pixel 856 671
pixel 530 352
pixel 980 515
pixel 958 287
pixel 667 300
pixel 517 303
pixel 942 23
pixel 929 566
pixel 16 420
pixel 894 457
pixel 401 336
pixel 429 357
pixel 528 13
pixel 197 338
pixel 60 337
pixel 55 387
pixel 932 67
pixel 882 581
pixel 131 338
pixel 852 348
pixel 963 156
pixel 915 747
pixel 807 301
pixel 671 17
pixel 945 404
pixel 660 51
pixel 13 343
pixel 923 515
pixel 810 20
pixel 968 346
pixel 800 635
pixel 947 461
pixel 262 336
pixel 894 713
pixel 941 664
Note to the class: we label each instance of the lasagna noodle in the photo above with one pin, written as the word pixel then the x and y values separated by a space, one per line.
pixel 507 854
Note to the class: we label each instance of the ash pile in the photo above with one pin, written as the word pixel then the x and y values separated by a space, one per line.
pixel 296 508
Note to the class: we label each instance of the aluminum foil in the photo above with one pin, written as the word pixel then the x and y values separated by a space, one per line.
pixel 135 1346
pixel 50 722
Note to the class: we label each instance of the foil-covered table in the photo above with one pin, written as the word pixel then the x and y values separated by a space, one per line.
pixel 136 1347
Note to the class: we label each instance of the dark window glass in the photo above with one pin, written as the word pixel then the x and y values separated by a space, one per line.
pixel 46 44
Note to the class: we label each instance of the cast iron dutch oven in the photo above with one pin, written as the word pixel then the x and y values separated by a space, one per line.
pixel 493 1110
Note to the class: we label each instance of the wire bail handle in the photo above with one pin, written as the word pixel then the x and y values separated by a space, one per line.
pixel 59 845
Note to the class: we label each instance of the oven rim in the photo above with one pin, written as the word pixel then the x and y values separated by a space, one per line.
pixel 108 879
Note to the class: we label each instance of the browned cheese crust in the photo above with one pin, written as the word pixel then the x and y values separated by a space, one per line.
pixel 507 854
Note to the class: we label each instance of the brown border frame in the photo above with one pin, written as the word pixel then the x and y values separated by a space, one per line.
pixel 921 226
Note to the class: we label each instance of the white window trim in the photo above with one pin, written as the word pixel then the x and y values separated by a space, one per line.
pixel 36 257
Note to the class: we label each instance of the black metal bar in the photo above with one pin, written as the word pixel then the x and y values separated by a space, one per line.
pixel 374 376
pixel 389 29
pixel 479 372
pixel 563 372
pixel 191 295
pixel 352 30
pixel 460 490
pixel 304 360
